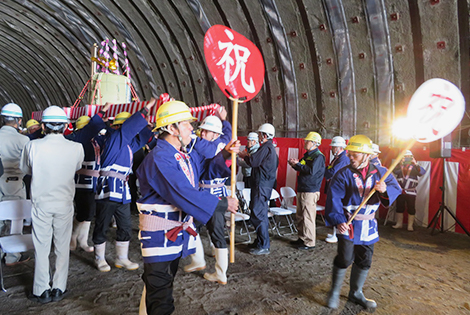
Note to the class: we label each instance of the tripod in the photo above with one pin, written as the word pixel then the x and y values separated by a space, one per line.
pixel 439 216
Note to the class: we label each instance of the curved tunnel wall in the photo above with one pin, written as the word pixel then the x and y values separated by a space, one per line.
pixel 339 67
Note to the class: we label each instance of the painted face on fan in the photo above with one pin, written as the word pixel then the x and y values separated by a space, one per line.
pixel 358 160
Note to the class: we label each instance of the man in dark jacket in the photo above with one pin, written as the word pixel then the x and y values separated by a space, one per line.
pixel 263 175
pixel 311 169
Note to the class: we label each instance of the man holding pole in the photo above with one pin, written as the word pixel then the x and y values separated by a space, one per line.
pixel 170 200
pixel 348 188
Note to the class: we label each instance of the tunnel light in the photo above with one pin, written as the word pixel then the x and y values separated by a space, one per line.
pixel 403 129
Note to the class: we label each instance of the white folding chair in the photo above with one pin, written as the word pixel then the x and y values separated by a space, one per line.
pixel 278 212
pixel 288 194
pixel 240 186
pixel 242 215
pixel 16 211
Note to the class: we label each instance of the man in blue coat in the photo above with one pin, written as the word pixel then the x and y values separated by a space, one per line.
pixel 264 165
pixel 112 189
pixel 171 199
pixel 349 186
pixel 339 161
pixel 86 129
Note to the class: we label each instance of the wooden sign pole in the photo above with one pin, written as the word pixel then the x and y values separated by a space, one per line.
pixel 389 171
pixel 233 181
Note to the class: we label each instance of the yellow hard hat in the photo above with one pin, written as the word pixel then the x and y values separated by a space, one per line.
pixel 81 122
pixel 173 112
pixel 32 122
pixel 314 137
pixel 360 143
pixel 121 118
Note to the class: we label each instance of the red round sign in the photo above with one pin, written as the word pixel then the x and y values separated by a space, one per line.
pixel 235 63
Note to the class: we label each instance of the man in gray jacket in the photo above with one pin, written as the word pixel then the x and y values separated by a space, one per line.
pixel 11 182
pixel 52 163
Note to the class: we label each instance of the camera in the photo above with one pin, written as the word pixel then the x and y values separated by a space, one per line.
pixel 408 160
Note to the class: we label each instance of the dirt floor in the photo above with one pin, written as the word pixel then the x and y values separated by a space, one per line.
pixel 412 273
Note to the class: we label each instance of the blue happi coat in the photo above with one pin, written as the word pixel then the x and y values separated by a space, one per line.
pixel 91 146
pixel 169 186
pixel 214 178
pixel 117 156
pixel 346 191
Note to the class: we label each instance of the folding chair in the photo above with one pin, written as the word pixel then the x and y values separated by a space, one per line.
pixel 288 194
pixel 241 215
pixel 278 212
pixel 16 211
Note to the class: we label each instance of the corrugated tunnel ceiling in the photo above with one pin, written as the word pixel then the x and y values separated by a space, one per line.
pixel 332 66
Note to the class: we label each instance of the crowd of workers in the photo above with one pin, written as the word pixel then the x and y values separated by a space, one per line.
pixel 88 173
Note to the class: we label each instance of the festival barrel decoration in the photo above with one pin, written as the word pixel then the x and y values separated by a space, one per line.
pixel 237 67
pixel 435 110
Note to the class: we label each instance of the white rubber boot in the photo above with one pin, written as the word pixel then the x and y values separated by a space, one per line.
pixel 75 232
pixel 100 260
pixel 221 265
pixel 122 260
pixel 83 230
pixel 332 237
pixel 399 224
pixel 197 259
pixel 411 220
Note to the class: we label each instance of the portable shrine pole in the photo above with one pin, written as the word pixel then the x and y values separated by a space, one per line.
pixel 237 67
pixel 435 110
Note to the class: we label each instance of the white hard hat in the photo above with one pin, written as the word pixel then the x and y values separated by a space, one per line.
pixel 54 114
pixel 375 148
pixel 267 129
pixel 338 142
pixel 408 153
pixel 12 110
pixel 253 136
pixel 212 123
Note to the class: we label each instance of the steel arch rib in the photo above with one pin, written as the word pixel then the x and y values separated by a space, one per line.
pixel 344 66
pixel 287 66
pixel 383 65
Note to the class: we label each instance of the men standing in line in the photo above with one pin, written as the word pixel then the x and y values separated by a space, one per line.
pixel 339 161
pixel 264 163
pixel 170 200
pixel 311 169
pixel 348 188
pixel 407 174
pixel 11 182
pixel 52 163
pixel 252 145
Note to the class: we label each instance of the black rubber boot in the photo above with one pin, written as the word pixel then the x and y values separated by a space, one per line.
pixel 337 282
pixel 358 277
